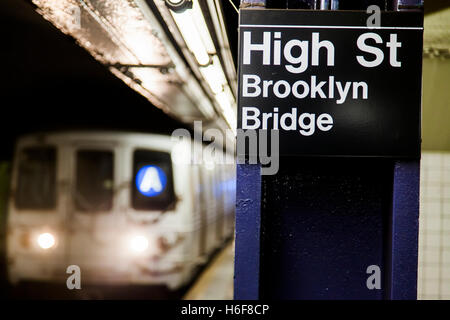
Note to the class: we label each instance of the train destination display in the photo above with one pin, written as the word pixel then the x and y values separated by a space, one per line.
pixel 151 180
pixel 330 84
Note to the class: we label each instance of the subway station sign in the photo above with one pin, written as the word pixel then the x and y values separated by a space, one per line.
pixel 329 83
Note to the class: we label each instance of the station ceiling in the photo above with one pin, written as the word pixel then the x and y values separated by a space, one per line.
pixel 48 82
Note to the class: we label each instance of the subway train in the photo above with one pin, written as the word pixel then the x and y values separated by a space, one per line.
pixel 116 205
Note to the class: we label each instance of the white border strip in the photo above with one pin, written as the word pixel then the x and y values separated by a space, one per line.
pixel 327 27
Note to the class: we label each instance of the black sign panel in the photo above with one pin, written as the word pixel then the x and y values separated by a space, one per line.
pixel 331 84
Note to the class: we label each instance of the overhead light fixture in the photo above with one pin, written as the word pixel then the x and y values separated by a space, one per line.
pixel 205 59
pixel 226 102
pixel 214 76
pixel 192 26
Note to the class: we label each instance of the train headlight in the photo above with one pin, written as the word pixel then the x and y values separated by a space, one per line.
pixel 46 240
pixel 138 244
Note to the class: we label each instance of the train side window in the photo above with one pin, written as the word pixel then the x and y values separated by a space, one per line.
pixel 36 184
pixel 94 180
pixel 152 181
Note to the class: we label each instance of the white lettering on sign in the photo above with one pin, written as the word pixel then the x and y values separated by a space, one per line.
pixel 297 62
pixel 297 53
pixel 151 181
pixel 306 122
pixel 393 45
pixel 264 47
pixel 253 86
pixel 296 56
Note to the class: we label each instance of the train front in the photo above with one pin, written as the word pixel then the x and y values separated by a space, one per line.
pixel 99 209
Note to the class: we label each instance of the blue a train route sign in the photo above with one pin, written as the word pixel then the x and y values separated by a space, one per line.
pixel 330 84
pixel 151 181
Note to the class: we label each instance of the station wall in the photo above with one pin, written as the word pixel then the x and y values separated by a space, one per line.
pixel 434 228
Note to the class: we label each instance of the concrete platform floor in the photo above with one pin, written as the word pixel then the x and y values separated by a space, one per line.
pixel 216 281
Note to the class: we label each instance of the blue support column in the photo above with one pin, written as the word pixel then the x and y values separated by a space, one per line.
pixel 324 222
pixel 248 220
pixel 248 228
pixel 317 247
pixel 405 228
pixel 311 231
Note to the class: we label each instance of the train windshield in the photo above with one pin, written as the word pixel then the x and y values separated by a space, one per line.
pixel 36 178
pixel 94 180
pixel 153 181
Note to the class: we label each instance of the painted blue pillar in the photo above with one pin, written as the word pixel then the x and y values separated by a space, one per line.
pixel 324 222
pixel 405 228
pixel 248 227
pixel 248 220
pixel 311 230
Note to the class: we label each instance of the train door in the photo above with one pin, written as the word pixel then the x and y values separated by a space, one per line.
pixel 230 197
pixel 219 199
pixel 92 214
pixel 34 213
pixel 210 203
pixel 202 210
